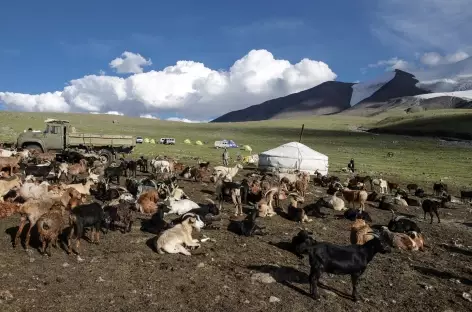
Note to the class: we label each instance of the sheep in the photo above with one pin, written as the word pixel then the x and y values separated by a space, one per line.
pixel 31 190
pixel 412 187
pixel 50 226
pixel 430 206
pixel 82 188
pixel 7 185
pixel 399 240
pixel 172 240
pixel 402 224
pixel 120 213
pixel 247 226
pixel 294 212
pixel 10 163
pixel 31 211
pixel 383 186
pixel 180 206
pixel 340 260
pixel 227 171
pixel 147 202
pixel 360 232
pixel 82 216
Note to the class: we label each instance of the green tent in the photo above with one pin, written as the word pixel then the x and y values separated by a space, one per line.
pixel 198 142
pixel 146 140
pixel 187 141
pixel 247 148
pixel 152 141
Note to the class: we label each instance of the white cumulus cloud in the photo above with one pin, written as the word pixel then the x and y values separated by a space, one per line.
pixel 129 63
pixel 148 116
pixel 184 120
pixel 435 58
pixel 391 64
pixel 188 89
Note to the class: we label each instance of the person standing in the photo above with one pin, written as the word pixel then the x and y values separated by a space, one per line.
pixel 350 166
pixel 225 157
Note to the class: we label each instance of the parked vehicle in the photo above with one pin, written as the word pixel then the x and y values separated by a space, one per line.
pixel 167 141
pixel 59 135
pixel 139 140
pixel 225 144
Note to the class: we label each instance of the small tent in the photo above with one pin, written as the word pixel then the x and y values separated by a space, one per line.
pixel 198 142
pixel 152 141
pixel 247 148
pixel 187 141
pixel 146 140
pixel 294 156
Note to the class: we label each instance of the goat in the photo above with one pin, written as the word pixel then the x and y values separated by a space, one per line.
pixel 360 232
pixel 397 200
pixel 112 173
pixel 418 239
pixel 387 205
pixel 466 194
pixel 353 214
pixel 180 206
pixel 399 240
pixel 8 209
pixel 247 226
pixel 392 186
pixel 340 260
pixel 294 212
pixel 82 216
pixel 430 206
pixel 161 165
pixel 10 163
pixel 412 187
pixel 50 226
pixel 420 193
pixel 204 165
pixel 402 224
pixel 82 188
pixel 147 202
pixel 300 240
pixel 264 206
pixel 129 167
pixel 156 224
pixel 76 169
pixel 227 171
pixel 7 185
pixel 7 153
pixel 314 209
pixel 301 184
pixel 31 190
pixel 204 210
pixel 337 203
pixel 439 188
pixel 120 213
pixel 44 170
pixel 355 196
pixel 142 163
pixel 172 240
pixel 232 189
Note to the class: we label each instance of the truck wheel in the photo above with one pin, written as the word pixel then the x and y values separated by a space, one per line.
pixel 105 157
pixel 33 147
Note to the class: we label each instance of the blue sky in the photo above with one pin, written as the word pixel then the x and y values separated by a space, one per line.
pixel 46 44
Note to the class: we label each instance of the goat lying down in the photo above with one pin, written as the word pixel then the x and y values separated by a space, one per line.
pixel 173 239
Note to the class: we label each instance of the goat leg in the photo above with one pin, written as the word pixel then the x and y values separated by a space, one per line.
pixel 20 230
pixel 43 246
pixel 69 245
pixel 437 215
pixel 355 280
pixel 28 236
pixel 315 273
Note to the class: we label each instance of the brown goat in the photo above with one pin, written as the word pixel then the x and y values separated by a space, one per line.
pixel 68 195
pixel 301 185
pixel 355 196
pixel 10 162
pixel 361 232
pixel 147 202
pixel 8 209
pixel 76 169
pixel 50 226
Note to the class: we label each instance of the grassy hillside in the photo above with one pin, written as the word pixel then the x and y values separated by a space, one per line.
pixel 445 123
pixel 415 159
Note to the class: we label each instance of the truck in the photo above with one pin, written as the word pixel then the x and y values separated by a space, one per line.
pixel 60 136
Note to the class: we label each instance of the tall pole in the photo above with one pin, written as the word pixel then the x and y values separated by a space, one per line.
pixel 301 134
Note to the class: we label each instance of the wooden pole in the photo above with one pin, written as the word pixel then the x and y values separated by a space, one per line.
pixel 301 133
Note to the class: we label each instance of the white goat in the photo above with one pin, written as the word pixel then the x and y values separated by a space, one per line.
pixel 161 165
pixel 63 170
pixel 31 190
pixel 7 153
pixel 180 206
pixel 83 189
pixel 227 172
pixel 338 203
pixel 93 176
pixel 382 184
pixel 397 200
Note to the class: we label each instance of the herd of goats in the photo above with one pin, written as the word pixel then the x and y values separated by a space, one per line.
pixel 70 192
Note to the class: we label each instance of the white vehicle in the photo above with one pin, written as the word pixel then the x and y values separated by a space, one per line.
pixel 225 144
pixel 139 140
pixel 167 141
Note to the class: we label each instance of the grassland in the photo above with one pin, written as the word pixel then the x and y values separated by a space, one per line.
pixel 416 159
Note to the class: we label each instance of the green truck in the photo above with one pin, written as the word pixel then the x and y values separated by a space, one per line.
pixel 60 135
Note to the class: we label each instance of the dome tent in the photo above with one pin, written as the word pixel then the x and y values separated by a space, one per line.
pixel 198 142
pixel 247 148
pixel 294 156
pixel 187 141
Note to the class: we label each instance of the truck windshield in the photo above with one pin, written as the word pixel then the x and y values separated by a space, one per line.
pixel 47 129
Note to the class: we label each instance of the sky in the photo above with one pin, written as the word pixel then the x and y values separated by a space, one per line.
pixel 196 60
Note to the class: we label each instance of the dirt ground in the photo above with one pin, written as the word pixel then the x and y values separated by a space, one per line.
pixel 123 273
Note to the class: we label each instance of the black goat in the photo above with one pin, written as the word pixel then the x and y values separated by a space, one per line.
pixel 40 171
pixel 142 163
pixel 439 188
pixel 83 216
pixel 245 190
pixel 353 214
pixel 341 260
pixel 420 193
pixel 247 226
pixel 314 210
pixel 412 187
pixel 156 224
pixel 112 173
pixel 303 237
pixel 430 206
pixel 466 194
pixel 204 165
pixel 123 213
pixel 402 224
pixel 129 166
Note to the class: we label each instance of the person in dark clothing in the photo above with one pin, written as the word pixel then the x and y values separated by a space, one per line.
pixel 350 166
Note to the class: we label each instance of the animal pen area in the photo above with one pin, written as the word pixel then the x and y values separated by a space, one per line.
pixel 241 264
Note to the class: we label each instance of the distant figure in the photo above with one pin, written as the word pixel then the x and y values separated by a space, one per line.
pixel 239 157
pixel 351 165
pixel 225 157
pixel 30 129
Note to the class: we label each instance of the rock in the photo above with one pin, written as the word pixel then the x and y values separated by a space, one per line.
pixel 467 296
pixel 100 279
pixel 200 265
pixel 6 295
pixel 264 278
pixel 329 292
pixel 246 301
pixel 65 265
pixel 32 260
pixel 273 299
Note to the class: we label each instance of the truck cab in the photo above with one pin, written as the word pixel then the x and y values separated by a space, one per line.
pixel 53 138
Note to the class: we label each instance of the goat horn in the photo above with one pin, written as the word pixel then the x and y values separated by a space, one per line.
pixel 211 201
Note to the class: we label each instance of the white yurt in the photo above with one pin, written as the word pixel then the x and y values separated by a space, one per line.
pixel 294 156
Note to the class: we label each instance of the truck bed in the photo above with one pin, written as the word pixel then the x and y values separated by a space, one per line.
pixel 89 139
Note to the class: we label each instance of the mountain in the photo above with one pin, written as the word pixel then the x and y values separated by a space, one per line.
pixel 442 86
